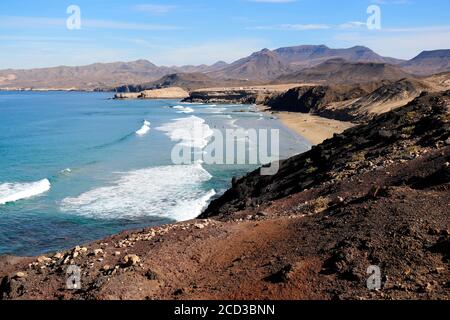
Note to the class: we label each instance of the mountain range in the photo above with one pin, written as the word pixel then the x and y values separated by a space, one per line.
pixel 299 63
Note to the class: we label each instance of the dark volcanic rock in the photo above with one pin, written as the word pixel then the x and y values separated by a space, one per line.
pixel 223 96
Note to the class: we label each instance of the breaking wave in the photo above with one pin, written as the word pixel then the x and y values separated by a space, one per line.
pixel 182 109
pixel 190 132
pixel 144 129
pixel 11 192
pixel 173 192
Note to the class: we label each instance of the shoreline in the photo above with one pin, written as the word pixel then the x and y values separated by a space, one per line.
pixel 312 128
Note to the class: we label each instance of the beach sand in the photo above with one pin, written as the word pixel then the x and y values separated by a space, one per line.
pixel 315 129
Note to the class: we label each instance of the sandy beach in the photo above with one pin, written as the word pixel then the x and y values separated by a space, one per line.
pixel 315 129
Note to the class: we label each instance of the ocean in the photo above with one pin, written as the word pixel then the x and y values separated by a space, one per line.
pixel 76 167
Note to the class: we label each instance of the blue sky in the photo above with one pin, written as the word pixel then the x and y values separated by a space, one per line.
pixel 33 33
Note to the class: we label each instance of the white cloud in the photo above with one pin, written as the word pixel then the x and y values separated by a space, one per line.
pixel 155 8
pixel 292 27
pixel 206 52
pixel 398 43
pixel 30 22
pixel 108 24
pixel 17 22
pixel 273 1
pixel 384 2
pixel 353 25
pixel 41 53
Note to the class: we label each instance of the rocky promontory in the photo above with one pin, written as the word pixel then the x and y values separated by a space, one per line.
pixel 237 95
pixel 166 93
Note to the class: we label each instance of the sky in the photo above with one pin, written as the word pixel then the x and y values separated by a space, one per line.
pixel 34 33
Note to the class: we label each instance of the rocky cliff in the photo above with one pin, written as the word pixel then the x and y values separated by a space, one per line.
pixel 392 137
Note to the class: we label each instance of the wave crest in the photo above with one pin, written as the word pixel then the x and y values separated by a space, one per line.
pixel 144 129
pixel 11 192
pixel 170 191
pixel 182 109
pixel 192 132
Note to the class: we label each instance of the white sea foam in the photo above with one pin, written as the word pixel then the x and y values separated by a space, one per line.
pixel 233 124
pixel 11 192
pixel 216 110
pixel 170 191
pixel 144 129
pixel 190 132
pixel 183 109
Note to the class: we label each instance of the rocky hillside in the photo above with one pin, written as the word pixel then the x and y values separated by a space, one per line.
pixel 404 133
pixel 311 55
pixel 429 62
pixel 357 102
pixel 261 67
pixel 312 99
pixel 99 76
pixel 187 81
pixel 86 77
pixel 241 95
pixel 264 65
pixel 342 71
pixel 376 195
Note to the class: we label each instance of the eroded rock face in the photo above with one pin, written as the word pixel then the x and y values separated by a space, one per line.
pixel 223 96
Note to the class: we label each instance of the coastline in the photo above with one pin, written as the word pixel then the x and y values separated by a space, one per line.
pixel 314 129
pixel 293 245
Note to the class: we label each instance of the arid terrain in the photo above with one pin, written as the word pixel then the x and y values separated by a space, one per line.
pixel 313 128
pixel 375 195
pixel 307 63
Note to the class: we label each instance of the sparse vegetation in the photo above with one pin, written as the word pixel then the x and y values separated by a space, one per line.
pixel 408 130
pixel 311 170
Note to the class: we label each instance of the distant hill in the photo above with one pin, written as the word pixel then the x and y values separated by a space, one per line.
pixel 298 63
pixel 310 55
pixel 429 62
pixel 85 77
pixel 188 81
pixel 90 77
pixel 342 71
pixel 268 65
pixel 263 65
pixel 203 68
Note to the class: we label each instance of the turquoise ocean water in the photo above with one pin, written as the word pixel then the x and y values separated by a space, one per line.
pixel 76 167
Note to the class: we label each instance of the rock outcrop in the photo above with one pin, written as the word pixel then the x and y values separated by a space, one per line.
pixel 355 102
pixel 166 93
pixel 393 136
